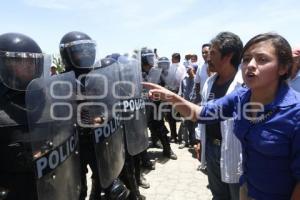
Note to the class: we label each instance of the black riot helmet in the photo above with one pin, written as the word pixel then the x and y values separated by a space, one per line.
pixel 147 57
pixel 115 56
pixel 164 64
pixel 21 60
pixel 78 51
pixel 107 61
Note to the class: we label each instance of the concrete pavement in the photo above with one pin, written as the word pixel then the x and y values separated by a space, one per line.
pixel 176 179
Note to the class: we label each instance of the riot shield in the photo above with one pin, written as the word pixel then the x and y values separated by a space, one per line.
pixel 154 75
pixel 108 134
pixel 53 137
pixel 133 107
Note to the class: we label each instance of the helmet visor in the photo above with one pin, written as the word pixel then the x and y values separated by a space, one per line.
pixel 164 65
pixel 149 58
pixel 17 69
pixel 82 53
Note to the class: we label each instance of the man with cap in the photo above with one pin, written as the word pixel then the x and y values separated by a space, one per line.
pixel 53 70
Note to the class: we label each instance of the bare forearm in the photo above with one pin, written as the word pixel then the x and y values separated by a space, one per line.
pixel 296 192
pixel 185 108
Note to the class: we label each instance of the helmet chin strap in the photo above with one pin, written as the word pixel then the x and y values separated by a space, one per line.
pixel 81 71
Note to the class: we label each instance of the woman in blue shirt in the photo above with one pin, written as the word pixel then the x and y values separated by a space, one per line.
pixel 267 119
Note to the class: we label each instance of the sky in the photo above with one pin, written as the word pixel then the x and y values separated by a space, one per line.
pixel 120 26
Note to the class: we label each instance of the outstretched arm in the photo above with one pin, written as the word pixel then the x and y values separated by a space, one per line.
pixel 184 107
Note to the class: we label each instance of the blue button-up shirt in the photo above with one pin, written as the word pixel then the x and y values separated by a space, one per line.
pixel 187 88
pixel 271 147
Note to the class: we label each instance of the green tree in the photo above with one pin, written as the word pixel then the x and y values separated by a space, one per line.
pixel 56 59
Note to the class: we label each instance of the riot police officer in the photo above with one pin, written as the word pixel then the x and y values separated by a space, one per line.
pixel 33 165
pixel 134 135
pixel 147 62
pixel 78 52
pixel 164 64
pixel 21 60
pixel 156 126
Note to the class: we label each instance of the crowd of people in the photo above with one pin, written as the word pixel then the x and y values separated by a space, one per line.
pixel 238 110
pixel 248 119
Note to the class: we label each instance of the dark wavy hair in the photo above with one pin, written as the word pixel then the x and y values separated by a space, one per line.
pixel 229 43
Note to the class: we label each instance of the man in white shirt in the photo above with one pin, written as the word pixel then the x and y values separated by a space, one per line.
pixel 176 74
pixel 202 72
pixel 222 151
pixel 200 78
pixel 187 60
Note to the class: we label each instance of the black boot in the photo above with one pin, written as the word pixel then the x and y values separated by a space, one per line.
pixel 156 145
pixel 146 162
pixel 149 164
pixel 170 154
pixel 142 182
pixel 3 193
pixel 117 191
pixel 128 177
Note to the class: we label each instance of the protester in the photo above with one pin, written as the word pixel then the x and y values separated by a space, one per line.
pixel 266 114
pixel 221 150
pixel 186 137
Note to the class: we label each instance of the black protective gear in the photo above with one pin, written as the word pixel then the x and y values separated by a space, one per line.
pixel 107 61
pixel 163 63
pixel 3 193
pixel 16 170
pixel 128 176
pixel 147 57
pixel 17 42
pixel 117 191
pixel 87 157
pixel 21 176
pixel 21 60
pixel 78 51
pixel 115 56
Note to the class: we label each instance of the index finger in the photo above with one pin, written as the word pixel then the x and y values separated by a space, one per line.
pixel 150 86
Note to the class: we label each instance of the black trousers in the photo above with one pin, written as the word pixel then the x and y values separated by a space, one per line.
pixel 129 173
pixel 17 177
pixel 157 127
pixel 87 157
pixel 159 130
pixel 19 186
pixel 172 123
